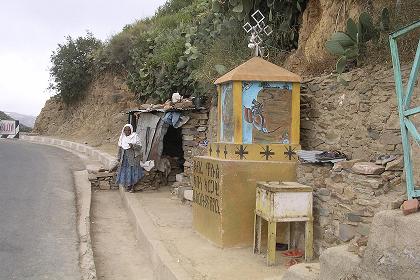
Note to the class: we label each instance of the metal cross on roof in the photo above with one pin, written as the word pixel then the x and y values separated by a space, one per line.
pixel 257 31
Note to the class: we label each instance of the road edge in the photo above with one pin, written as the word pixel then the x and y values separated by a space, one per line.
pixel 83 194
pixel 164 266
pixel 83 202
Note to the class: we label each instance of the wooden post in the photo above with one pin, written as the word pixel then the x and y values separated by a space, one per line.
pixel 237 111
pixel 295 125
pixel 271 243
pixel 309 240
pixel 257 234
pixel 219 111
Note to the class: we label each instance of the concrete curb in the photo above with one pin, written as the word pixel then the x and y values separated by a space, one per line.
pixel 104 158
pixel 84 198
pixel 164 266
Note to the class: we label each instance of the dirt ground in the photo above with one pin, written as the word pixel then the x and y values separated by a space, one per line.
pixel 118 255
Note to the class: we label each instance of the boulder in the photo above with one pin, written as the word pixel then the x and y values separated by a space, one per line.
pixel 345 164
pixel 367 168
pixel 393 250
pixel 302 271
pixel 339 263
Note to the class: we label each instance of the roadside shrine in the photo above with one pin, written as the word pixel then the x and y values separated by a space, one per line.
pixel 257 140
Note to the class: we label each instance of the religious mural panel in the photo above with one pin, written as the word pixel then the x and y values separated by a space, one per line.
pixel 227 126
pixel 266 112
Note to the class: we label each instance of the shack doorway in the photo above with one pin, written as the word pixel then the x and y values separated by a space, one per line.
pixel 174 152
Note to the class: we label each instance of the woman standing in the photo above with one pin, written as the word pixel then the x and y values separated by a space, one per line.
pixel 129 157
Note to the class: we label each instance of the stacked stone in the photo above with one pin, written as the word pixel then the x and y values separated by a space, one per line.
pixel 347 196
pixel 151 180
pixel 194 133
pixel 175 169
pixel 102 180
pixel 182 188
pixel 359 119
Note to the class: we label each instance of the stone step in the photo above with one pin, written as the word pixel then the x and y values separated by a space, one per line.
pixel 303 271
pixel 393 250
pixel 338 263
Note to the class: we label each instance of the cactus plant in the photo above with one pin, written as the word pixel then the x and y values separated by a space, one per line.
pixel 349 45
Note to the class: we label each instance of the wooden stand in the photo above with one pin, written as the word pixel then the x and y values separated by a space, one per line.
pixel 284 202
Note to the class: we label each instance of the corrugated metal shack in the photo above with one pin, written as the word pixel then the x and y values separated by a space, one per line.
pixel 170 134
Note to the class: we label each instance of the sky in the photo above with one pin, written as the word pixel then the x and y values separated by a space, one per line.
pixel 30 30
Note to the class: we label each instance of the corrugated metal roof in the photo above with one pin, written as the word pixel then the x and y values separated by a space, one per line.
pixel 310 156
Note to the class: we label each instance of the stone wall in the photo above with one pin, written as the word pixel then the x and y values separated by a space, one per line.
pixel 194 133
pixel 345 201
pixel 361 120
pixel 102 180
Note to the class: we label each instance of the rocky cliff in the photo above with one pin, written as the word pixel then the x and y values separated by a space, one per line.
pixel 97 120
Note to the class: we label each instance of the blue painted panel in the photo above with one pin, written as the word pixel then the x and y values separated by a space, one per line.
pixel 250 91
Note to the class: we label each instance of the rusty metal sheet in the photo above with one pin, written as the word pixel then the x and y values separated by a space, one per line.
pixel 146 129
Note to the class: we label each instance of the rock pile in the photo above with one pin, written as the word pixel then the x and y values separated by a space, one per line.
pixel 348 194
pixel 185 103
pixel 102 180
pixel 360 119
pixel 194 137
pixel 182 188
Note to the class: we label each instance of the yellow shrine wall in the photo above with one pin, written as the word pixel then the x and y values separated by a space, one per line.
pixel 224 196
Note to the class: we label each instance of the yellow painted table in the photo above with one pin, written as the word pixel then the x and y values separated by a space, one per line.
pixel 282 202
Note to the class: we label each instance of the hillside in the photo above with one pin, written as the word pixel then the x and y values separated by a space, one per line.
pixel 96 121
pixel 179 48
pixel 4 116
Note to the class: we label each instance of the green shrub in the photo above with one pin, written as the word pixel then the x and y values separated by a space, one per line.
pixel 73 67
pixel 183 48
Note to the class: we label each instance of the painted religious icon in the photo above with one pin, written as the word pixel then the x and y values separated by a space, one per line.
pixel 227 125
pixel 266 112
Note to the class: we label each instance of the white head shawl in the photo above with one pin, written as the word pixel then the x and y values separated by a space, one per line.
pixel 125 141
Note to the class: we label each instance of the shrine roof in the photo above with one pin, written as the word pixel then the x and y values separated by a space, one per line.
pixel 259 69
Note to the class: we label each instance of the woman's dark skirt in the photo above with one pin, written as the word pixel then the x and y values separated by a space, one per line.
pixel 129 175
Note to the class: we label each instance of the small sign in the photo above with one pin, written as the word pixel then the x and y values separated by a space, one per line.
pixel 9 129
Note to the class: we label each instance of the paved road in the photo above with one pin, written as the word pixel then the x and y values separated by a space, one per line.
pixel 38 238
